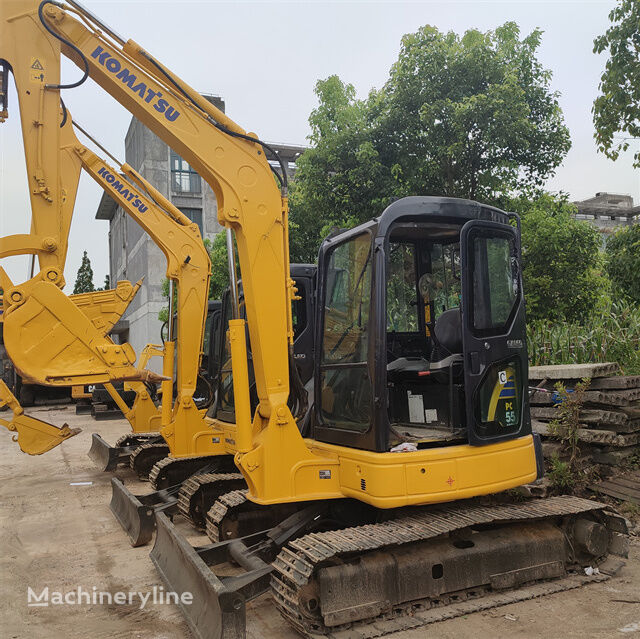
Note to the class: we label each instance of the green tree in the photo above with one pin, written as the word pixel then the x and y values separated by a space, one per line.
pixel 163 313
pixel 623 262
pixel 84 278
pixel 617 108
pixel 561 261
pixel 107 283
pixel 219 265
pixel 470 116
pixel 340 180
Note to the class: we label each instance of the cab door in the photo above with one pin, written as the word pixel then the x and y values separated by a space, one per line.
pixel 493 333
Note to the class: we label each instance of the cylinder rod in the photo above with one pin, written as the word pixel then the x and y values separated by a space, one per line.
pixel 233 277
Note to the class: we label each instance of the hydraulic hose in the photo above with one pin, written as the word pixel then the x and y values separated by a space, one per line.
pixel 72 46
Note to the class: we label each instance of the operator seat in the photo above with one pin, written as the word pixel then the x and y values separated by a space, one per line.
pixel 447 340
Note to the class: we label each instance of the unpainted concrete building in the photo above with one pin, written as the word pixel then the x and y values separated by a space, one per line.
pixel 608 212
pixel 132 253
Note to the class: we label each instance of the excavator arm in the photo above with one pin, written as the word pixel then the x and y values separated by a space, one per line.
pixel 188 265
pixel 230 160
pixel 52 183
pixel 188 262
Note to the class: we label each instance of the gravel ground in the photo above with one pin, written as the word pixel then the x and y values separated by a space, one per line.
pixel 63 536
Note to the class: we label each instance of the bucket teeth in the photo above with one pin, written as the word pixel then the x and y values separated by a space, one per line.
pixel 36 437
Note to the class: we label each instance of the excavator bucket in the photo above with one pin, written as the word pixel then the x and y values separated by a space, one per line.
pixel 51 341
pixel 105 308
pixel 33 435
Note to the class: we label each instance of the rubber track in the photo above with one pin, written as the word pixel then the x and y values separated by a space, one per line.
pixel 296 563
pixel 195 483
pixel 143 447
pixel 167 461
pixel 122 441
pixel 157 468
pixel 223 507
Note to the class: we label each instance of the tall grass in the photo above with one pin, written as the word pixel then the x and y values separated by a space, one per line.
pixel 612 334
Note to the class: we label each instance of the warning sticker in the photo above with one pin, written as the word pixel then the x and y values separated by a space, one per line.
pixel 37 71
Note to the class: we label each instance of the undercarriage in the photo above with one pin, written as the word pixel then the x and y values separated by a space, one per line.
pixel 403 569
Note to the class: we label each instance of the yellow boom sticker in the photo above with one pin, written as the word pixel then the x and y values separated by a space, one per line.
pixel 37 71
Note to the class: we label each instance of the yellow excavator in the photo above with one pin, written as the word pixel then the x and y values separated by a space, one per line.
pixel 188 269
pixel 52 211
pixel 420 394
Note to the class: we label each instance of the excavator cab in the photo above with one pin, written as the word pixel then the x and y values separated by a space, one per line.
pixel 421 329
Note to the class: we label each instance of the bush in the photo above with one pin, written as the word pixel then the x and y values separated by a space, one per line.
pixel 561 475
pixel 623 262
pixel 561 261
pixel 612 334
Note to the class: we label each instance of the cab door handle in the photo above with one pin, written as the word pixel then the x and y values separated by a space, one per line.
pixel 474 361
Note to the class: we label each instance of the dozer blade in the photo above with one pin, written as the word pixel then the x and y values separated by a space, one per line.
pixel 217 610
pixel 135 513
pixel 104 456
pixel 218 606
pixel 35 436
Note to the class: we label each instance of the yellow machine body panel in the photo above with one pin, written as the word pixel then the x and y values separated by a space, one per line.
pixel 391 480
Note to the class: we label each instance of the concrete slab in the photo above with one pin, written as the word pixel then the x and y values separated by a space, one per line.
pixel 572 371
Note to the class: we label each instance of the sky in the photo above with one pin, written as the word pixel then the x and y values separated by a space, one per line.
pixel 264 59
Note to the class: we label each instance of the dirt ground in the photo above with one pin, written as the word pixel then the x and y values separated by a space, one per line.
pixel 63 536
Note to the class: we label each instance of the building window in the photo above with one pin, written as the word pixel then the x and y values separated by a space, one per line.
pixel 183 178
pixel 195 215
